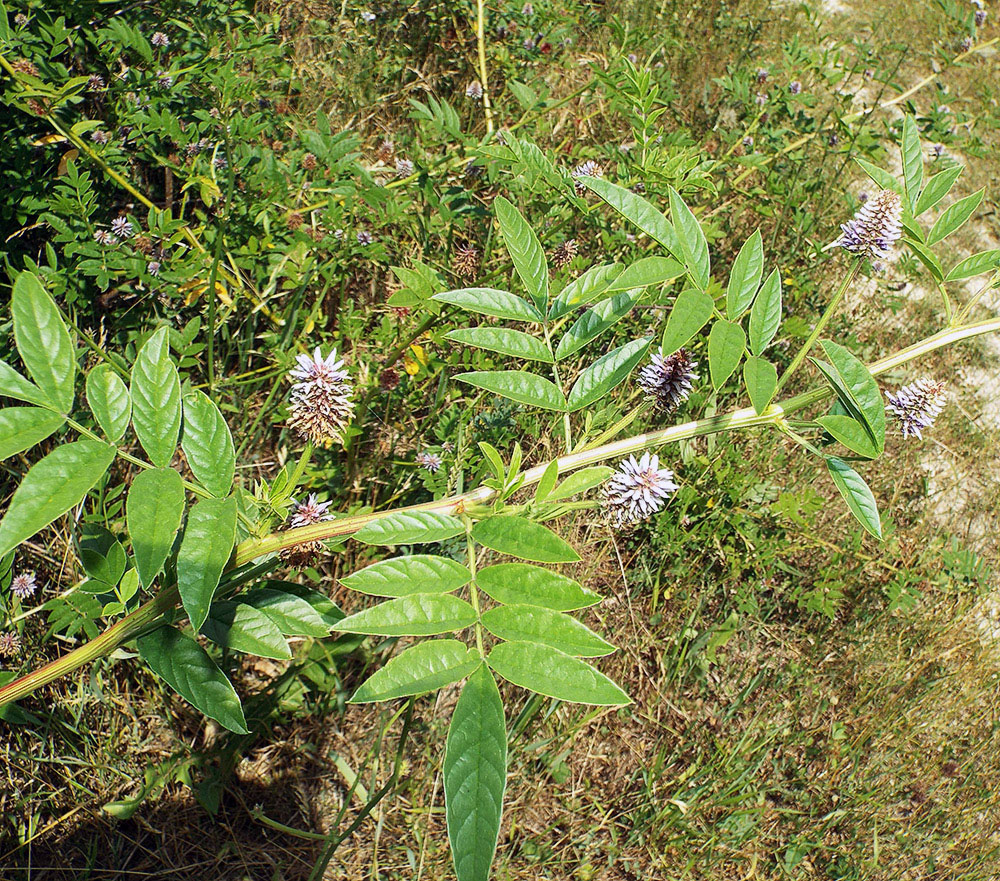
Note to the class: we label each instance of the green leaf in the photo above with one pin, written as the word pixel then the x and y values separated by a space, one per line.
pixel 646 272
pixel 525 251
pixel 109 401
pixel 488 301
pixel 606 373
pixel 156 399
pixel 851 433
pixel 242 628
pixel 427 666
pixel 519 537
pixel 765 316
pixel 523 583
pixel 13 385
pixel 985 261
pixel 43 341
pixel 925 256
pixel 548 671
pixel 51 487
pixel 402 576
pixel 537 624
pixel 726 343
pixel 595 321
pixel 692 240
pixel 186 667
pixel 206 547
pixel 580 482
pixel 744 278
pixel 502 340
pixel 409 527
pixel 584 289
pixel 329 612
pixel 208 444
pixel 863 389
pixel 475 776
pixel 856 493
pixel 293 615
pixel 548 481
pixel 937 188
pixel 913 161
pixel 885 180
pixel 638 211
pixel 420 614
pixel 692 311
pixel 153 514
pixel 954 216
pixel 761 379
pixel 494 459
pixel 23 427
pixel 518 385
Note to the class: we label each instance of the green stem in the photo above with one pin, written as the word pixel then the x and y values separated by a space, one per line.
pixel 473 590
pixel 821 324
pixel 252 548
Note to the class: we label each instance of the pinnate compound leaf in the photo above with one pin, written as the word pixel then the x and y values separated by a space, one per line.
pixel 606 373
pixel 43 341
pixel 51 487
pixel 425 667
pixel 954 216
pixel 692 311
pixel 475 776
pixel 109 401
pixel 514 343
pixel 242 628
pixel 409 527
pixel 523 583
pixel 744 278
pixel 761 379
pixel 519 537
pixel 638 211
pixel 525 251
pixel 23 427
pixel 595 321
pixel 402 576
pixel 765 316
pixel 208 444
pixel 518 385
pixel 694 247
pixel 206 547
pixel 156 399
pixel 856 493
pixel 153 514
pixel 548 671
pixel 186 667
pixel 538 624
pixel 726 343
pixel 421 614
pixel 489 301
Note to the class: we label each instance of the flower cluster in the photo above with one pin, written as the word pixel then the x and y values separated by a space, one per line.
pixel 404 167
pixel 310 511
pixel 875 228
pixel 638 489
pixel 429 461
pixel 474 90
pixel 668 381
pixel 586 169
pixel 24 585
pixel 465 262
pixel 321 406
pixel 916 405
pixel 10 644
pixel 564 253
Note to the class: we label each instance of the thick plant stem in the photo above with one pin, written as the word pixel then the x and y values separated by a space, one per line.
pixel 481 47
pixel 251 549
pixel 831 308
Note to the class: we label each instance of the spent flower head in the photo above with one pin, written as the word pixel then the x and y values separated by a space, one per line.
pixel 915 406
pixel 24 585
pixel 637 490
pixel 321 405
pixel 667 381
pixel 875 228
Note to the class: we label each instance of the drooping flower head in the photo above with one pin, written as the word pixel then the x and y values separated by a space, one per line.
pixel 24 585
pixel 474 90
pixel 429 461
pixel 638 489
pixel 667 381
pixel 310 511
pixel 916 405
pixel 877 226
pixel 321 406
